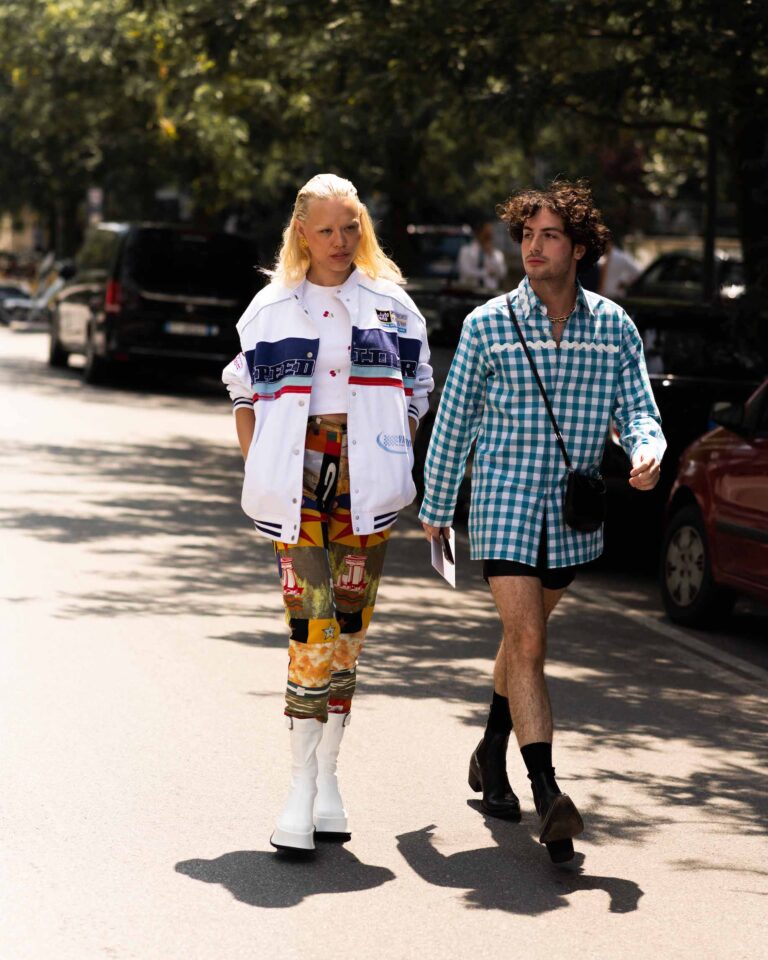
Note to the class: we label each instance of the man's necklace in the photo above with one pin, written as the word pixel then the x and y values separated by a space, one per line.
pixel 565 318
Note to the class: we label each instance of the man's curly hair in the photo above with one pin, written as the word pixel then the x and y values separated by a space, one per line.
pixel 572 201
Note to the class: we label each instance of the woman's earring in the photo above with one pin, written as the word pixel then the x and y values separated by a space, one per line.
pixel 303 243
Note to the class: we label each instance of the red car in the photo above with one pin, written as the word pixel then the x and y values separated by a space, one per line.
pixel 716 538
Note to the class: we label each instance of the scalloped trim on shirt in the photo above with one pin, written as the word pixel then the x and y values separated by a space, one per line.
pixel 551 345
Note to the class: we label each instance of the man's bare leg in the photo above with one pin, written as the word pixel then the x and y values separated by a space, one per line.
pixel 524 608
pixel 488 766
pixel 520 603
pixel 550 600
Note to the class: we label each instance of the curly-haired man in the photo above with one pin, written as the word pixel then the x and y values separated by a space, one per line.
pixel 589 357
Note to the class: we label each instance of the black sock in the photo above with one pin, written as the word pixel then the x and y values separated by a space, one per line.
pixel 537 757
pixel 499 717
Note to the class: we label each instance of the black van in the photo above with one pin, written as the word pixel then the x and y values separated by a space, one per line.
pixel 141 293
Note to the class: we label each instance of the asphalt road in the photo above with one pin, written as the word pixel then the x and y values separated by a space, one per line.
pixel 143 756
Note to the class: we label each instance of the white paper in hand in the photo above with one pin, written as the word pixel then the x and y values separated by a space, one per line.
pixel 439 560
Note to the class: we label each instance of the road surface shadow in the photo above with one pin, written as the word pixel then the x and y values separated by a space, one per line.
pixel 272 880
pixel 173 510
pixel 515 875
pixel 151 389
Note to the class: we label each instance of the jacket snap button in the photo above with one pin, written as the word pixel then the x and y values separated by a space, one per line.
pixel 295 500
pixel 295 453
pixel 301 403
pixel 310 354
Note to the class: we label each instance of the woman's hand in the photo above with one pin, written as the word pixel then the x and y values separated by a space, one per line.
pixel 245 424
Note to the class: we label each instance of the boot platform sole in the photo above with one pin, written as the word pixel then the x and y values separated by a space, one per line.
pixel 332 829
pixel 560 851
pixel 332 836
pixel 293 842
pixel 562 821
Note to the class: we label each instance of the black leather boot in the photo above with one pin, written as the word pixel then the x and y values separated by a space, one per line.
pixel 560 820
pixel 488 772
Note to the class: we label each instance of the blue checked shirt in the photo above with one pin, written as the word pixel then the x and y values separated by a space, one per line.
pixel 491 398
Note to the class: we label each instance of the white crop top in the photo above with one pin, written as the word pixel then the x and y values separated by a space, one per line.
pixel 331 377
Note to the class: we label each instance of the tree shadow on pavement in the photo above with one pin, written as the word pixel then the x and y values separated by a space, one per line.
pixel 273 880
pixel 515 875
pixel 135 386
pixel 172 509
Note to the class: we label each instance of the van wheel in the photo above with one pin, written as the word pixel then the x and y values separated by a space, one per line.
pixel 691 597
pixel 96 370
pixel 57 355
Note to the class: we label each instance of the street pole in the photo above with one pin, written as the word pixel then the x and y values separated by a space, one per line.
pixel 710 214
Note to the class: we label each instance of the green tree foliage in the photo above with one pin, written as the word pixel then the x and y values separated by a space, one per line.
pixel 435 108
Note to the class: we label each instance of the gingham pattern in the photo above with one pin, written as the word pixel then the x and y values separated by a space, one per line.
pixel 491 396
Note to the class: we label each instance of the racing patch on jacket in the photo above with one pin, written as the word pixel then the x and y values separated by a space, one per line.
pixel 270 363
pixel 402 322
pixel 387 317
pixel 375 348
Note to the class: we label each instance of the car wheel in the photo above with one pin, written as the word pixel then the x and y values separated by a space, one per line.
pixel 57 355
pixel 96 368
pixel 691 597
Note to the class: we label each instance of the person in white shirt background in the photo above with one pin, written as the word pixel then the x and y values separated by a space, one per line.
pixel 332 379
pixel 480 263
pixel 617 271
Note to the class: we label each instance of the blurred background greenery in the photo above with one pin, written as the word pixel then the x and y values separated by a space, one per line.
pixel 437 109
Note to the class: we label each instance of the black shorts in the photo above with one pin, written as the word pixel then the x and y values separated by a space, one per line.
pixel 557 578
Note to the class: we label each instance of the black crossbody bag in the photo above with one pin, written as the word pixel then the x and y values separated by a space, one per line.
pixel 584 501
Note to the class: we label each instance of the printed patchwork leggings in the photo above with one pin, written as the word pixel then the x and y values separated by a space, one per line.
pixel 330 579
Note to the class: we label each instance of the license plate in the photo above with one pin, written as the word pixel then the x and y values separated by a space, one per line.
pixel 191 329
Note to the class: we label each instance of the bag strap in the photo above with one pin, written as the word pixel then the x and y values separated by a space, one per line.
pixel 559 436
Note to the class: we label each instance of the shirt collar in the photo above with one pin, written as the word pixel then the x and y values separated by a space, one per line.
pixel 533 309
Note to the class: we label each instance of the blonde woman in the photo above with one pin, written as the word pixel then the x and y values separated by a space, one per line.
pixel 328 391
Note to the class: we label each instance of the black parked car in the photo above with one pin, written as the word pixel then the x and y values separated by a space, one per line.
pixel 435 249
pixel 141 293
pixel 676 280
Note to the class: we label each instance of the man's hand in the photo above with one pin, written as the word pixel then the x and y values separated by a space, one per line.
pixel 644 474
pixel 433 533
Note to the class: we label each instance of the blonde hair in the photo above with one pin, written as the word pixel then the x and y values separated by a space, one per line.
pixel 293 260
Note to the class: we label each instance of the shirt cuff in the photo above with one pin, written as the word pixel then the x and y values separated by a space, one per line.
pixel 436 518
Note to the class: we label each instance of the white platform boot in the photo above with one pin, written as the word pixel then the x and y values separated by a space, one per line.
pixel 330 815
pixel 295 829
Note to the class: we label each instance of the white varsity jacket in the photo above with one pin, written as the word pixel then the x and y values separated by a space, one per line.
pixel 390 380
